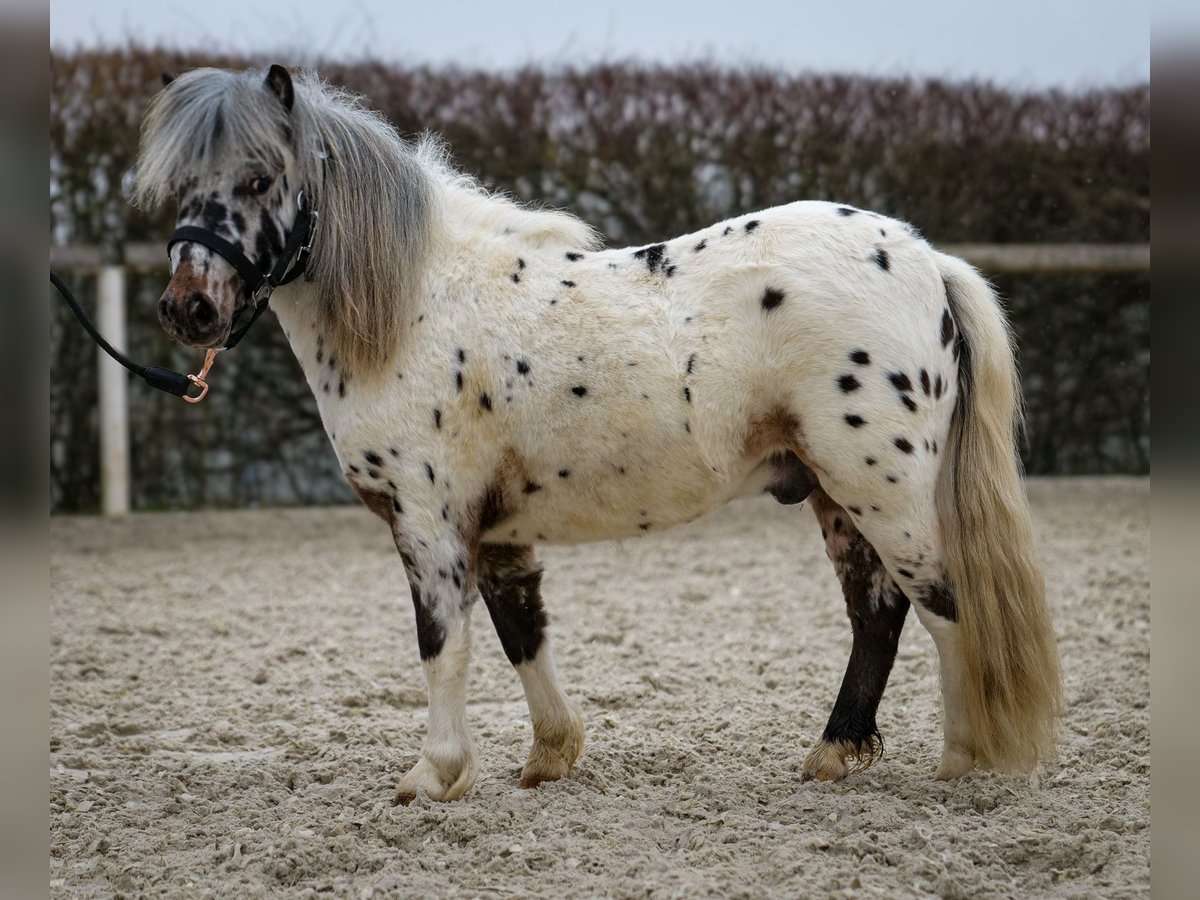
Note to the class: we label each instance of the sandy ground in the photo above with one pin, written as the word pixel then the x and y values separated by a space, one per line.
pixel 234 696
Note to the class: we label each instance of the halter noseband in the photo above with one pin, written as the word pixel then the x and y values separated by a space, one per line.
pixel 260 284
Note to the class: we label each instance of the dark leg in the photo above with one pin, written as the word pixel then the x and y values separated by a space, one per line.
pixel 510 582
pixel 877 609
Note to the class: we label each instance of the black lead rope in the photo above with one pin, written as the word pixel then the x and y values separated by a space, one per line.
pixel 298 245
pixel 156 376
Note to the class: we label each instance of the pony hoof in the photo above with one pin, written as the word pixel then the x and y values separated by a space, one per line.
pixel 825 762
pixel 556 746
pixel 426 778
pixel 956 762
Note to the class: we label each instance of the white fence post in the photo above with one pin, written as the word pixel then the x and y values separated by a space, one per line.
pixel 113 383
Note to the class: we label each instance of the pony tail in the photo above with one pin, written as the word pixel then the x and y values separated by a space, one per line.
pixel 1013 682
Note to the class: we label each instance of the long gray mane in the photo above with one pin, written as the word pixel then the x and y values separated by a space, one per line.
pixel 376 194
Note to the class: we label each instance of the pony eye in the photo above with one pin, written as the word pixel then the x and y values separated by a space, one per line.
pixel 260 185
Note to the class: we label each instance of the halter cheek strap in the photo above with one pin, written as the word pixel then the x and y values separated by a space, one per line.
pixel 260 284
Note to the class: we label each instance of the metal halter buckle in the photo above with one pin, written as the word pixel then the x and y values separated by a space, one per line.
pixel 263 294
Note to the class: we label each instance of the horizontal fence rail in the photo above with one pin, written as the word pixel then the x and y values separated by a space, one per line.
pixel 1006 259
pixel 994 258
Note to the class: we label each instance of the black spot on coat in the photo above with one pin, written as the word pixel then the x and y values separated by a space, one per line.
pixel 771 299
pixel 652 255
pixel 855 421
pixel 861 357
pixel 939 600
pixel 849 383
pixel 882 260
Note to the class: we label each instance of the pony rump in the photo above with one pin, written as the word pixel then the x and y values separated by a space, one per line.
pixel 1013 683
pixel 374 192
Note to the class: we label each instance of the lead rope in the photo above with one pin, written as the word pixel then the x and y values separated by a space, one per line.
pixel 156 376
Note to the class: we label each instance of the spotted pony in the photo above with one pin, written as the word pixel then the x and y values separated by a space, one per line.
pixel 491 379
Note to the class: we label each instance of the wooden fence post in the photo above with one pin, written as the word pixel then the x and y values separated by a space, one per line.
pixel 114 388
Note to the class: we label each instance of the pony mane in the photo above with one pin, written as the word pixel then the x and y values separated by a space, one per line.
pixel 383 202
pixel 472 209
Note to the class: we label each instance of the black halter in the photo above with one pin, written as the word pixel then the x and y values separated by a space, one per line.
pixel 298 246
pixel 260 284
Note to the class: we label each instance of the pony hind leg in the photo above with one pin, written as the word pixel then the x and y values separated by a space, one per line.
pixel 877 608
pixel 901 524
pixel 510 582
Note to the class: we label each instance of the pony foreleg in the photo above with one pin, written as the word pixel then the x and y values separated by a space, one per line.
pixel 877 609
pixel 448 765
pixel 557 723
pixel 510 581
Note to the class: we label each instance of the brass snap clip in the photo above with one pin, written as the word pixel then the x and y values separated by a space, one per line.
pixel 199 379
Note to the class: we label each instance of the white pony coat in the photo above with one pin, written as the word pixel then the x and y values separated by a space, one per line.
pixel 625 385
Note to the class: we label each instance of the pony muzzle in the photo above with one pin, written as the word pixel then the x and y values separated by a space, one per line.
pixel 193 316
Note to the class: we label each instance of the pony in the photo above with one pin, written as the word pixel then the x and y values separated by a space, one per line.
pixel 491 378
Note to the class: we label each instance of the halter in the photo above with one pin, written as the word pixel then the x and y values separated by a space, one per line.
pixel 260 284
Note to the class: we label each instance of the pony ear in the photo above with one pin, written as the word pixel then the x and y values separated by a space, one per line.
pixel 280 83
pixel 167 78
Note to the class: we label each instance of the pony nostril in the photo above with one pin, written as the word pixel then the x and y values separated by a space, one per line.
pixel 201 312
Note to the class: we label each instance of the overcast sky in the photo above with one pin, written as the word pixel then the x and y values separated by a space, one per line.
pixel 1023 43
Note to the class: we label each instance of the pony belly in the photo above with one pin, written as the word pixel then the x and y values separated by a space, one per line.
pixel 615 509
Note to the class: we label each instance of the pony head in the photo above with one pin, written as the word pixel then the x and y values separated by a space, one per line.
pixel 221 145
pixel 234 150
